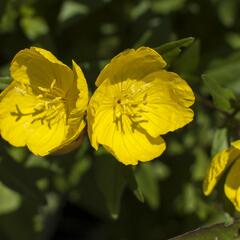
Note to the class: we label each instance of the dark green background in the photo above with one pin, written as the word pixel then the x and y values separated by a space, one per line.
pixel 73 197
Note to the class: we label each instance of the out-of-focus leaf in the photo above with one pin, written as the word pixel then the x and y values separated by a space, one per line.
pixel 89 196
pixel 233 40
pixel 70 9
pixel 34 27
pixel 220 141
pixel 222 97
pixel 200 165
pixel 188 61
pixel 46 219
pixel 227 11
pixel 226 71
pixel 5 80
pixel 187 201
pixel 42 162
pixel 19 224
pixel 18 154
pixel 15 176
pixel 9 200
pixel 78 169
pixel 111 182
pixel 148 183
pixel 8 19
pixel 140 9
pixel 132 183
pixel 215 232
pixel 171 50
pixel 166 6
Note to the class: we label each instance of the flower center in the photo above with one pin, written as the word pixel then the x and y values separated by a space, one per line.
pixel 130 104
pixel 50 103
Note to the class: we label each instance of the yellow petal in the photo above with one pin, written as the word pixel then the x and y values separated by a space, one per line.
pixel 167 103
pixel 128 145
pixel 236 144
pixel 219 164
pixel 232 185
pixel 74 128
pixel 99 104
pixel 48 55
pixel 14 102
pixel 38 67
pixel 134 64
pixel 70 146
pixel 44 139
pixel 77 100
pixel 81 86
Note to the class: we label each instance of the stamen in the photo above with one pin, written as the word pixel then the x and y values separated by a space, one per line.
pixel 51 102
pixel 131 105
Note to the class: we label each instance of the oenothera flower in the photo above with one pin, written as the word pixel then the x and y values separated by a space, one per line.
pixel 227 158
pixel 137 101
pixel 43 107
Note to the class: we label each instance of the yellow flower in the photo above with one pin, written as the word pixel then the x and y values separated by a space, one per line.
pixel 43 107
pixel 228 158
pixel 137 101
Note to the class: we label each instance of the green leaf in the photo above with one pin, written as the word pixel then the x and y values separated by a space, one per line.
pixel 198 168
pixel 227 11
pixel 214 232
pixel 20 179
pixel 220 141
pixel 19 224
pixel 110 178
pixel 222 97
pixel 233 39
pixel 187 202
pixel 34 27
pixel 9 17
pixel 148 183
pixel 9 200
pixel 5 79
pixel 226 71
pixel 166 6
pixel 79 168
pixel 188 61
pixel 171 50
pixel 70 9
pixel 132 183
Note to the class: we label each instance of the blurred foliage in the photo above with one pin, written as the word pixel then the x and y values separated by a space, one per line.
pixel 77 196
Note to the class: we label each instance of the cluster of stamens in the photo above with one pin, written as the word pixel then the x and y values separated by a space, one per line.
pixel 131 105
pixel 50 102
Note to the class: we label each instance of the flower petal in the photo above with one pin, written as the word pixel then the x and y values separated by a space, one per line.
pixel 236 144
pixel 99 104
pixel 135 145
pixel 14 102
pixel 128 145
pixel 168 100
pixel 81 86
pixel 77 100
pixel 219 164
pixel 134 64
pixel 44 139
pixel 38 67
pixel 232 184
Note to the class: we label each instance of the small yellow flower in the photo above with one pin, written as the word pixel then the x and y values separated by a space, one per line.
pixel 43 107
pixel 228 158
pixel 137 101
